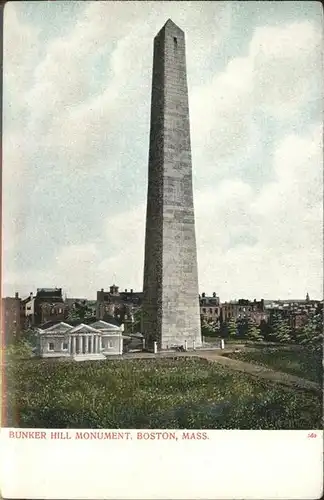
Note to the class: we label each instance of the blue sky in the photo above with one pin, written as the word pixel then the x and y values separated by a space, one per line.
pixel 77 79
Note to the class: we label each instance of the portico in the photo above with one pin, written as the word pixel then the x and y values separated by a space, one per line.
pixel 85 342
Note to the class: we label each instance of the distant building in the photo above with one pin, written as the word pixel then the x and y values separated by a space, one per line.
pixel 295 312
pixel 118 305
pixel 28 309
pixel 11 318
pixel 81 342
pixel 46 305
pixel 70 301
pixel 244 308
pixel 210 309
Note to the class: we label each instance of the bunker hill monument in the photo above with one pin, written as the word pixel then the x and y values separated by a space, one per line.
pixel 171 313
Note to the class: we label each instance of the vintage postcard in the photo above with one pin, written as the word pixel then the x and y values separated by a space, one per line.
pixel 162 298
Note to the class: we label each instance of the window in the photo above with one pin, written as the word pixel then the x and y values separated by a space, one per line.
pixel 110 344
pixel 60 311
pixel 175 40
pixel 65 346
pixel 51 346
pixel 204 309
pixel 210 310
pixel 28 308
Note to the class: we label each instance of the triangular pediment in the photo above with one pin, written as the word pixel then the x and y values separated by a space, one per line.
pixel 58 328
pixel 83 329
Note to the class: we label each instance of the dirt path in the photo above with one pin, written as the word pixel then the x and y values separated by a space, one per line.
pixel 261 371
pixel 237 365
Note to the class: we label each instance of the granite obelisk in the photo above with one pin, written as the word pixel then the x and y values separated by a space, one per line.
pixel 171 313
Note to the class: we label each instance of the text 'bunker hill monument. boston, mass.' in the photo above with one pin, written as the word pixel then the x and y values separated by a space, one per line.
pixel 171 298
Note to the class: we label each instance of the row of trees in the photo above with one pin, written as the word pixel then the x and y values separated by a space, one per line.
pixel 310 335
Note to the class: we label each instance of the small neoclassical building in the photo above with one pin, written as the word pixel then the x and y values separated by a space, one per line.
pixel 82 342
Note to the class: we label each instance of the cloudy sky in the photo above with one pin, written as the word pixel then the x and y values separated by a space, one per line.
pixel 77 79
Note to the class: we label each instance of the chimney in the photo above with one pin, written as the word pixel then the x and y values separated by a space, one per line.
pixel 16 295
pixel 203 294
pixel 31 295
pixel 131 290
pixel 125 290
pixel 214 294
pixel 102 289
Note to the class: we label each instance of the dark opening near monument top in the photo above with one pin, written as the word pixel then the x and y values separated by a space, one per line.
pixel 171 313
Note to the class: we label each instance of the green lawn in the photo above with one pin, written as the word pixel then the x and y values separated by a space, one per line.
pixel 166 393
pixel 302 363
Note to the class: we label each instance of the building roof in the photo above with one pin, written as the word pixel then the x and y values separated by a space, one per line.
pixel 73 300
pixel 49 293
pixel 103 325
pixel 108 318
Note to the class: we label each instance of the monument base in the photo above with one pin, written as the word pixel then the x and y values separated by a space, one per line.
pixel 188 343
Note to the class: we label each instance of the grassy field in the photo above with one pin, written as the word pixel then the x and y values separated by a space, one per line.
pixel 167 393
pixel 302 363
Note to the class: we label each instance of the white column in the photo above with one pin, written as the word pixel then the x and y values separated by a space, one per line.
pixel 73 345
pixel 99 344
pixel 92 344
pixel 95 350
pixel 70 345
pixel 186 345
pixel 194 344
pixel 121 344
pixel 155 347
pixel 87 344
pixel 222 344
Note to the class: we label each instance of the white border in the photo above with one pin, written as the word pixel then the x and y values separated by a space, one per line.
pixel 226 465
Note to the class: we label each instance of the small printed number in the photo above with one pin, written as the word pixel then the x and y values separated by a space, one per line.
pixel 312 435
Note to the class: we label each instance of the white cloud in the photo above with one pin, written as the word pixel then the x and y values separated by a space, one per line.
pixel 284 220
pixel 275 77
pixel 20 49
pixel 285 59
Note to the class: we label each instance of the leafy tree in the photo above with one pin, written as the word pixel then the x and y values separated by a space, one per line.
pixel 138 315
pixel 265 329
pixel 242 326
pixel 253 332
pixel 209 328
pixel 232 328
pixel 137 325
pixel 20 349
pixel 80 311
pixel 311 334
pixel 281 331
pixel 30 336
